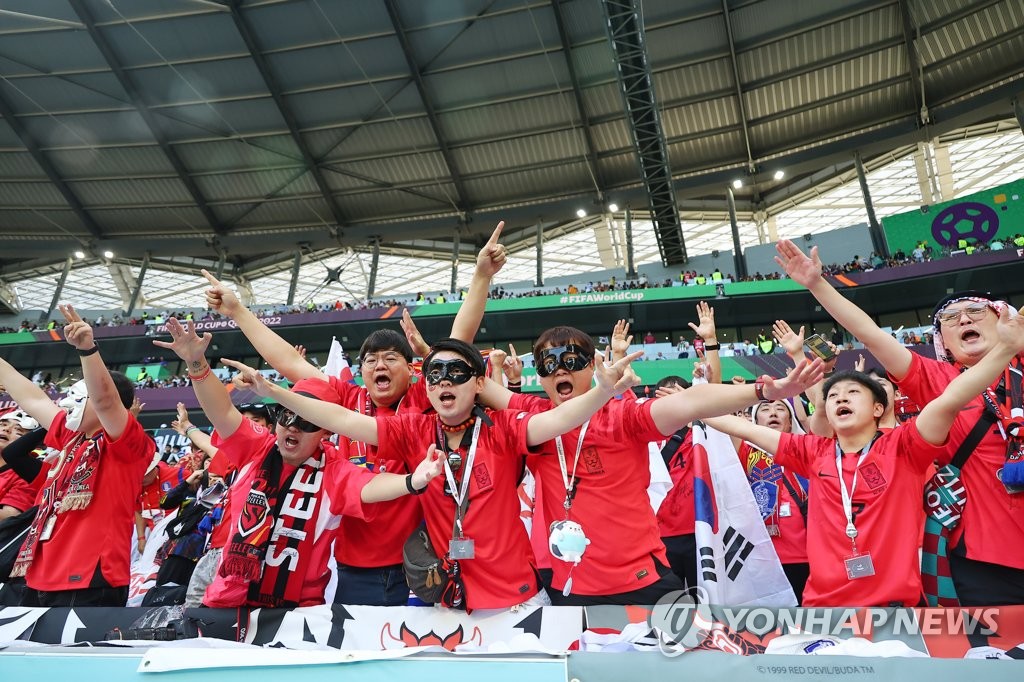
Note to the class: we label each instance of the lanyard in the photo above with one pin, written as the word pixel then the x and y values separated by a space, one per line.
pixel 570 485
pixel 459 493
pixel 851 530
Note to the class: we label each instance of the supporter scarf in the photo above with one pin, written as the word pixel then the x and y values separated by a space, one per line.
pixel 276 578
pixel 70 488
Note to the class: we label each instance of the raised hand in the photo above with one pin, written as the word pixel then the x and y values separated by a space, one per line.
pixel 186 344
pixel 621 339
pixel 77 331
pixel 427 470
pixel 136 407
pixel 412 334
pixel 182 413
pixel 301 350
pixel 803 270
pixel 1010 328
pixel 513 365
pixel 615 377
pixel 249 378
pixel 220 297
pixel 493 255
pixel 497 358
pixel 804 375
pixel 859 364
pixel 791 342
pixel 672 389
pixel 706 322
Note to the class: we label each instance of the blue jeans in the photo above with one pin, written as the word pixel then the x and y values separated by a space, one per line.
pixel 382 586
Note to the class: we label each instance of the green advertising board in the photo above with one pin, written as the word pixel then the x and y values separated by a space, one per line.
pixel 982 217
pixel 582 299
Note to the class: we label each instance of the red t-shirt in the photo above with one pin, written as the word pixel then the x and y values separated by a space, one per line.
pixel 15 491
pixel 377 539
pixel 888 497
pixel 771 494
pixel 992 526
pixel 102 532
pixel 611 501
pixel 676 514
pixel 166 479
pixel 340 490
pixel 502 573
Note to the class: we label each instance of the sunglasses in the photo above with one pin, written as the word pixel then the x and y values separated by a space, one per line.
pixel 455 371
pixel 975 311
pixel 287 419
pixel 261 408
pixel 571 357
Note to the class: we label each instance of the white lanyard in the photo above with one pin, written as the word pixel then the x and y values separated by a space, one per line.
pixel 460 494
pixel 847 495
pixel 570 484
pixel 371 411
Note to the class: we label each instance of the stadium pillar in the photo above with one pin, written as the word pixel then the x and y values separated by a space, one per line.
pixel 296 264
pixel 1018 111
pixel 540 254
pixel 737 252
pixel 630 267
pixel 874 229
pixel 57 292
pixel 374 262
pixel 137 289
pixel 455 263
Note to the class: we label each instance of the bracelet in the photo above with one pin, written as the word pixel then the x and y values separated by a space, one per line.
pixel 516 383
pixel 712 346
pixel 91 351
pixel 190 430
pixel 759 387
pixel 196 378
pixel 412 490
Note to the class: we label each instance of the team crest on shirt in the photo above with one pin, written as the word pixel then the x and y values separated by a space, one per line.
pixel 873 476
pixel 254 512
pixel 592 460
pixel 482 477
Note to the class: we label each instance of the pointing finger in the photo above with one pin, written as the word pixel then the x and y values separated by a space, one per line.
pixel 496 235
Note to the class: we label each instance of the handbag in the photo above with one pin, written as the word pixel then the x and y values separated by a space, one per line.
pixel 435 580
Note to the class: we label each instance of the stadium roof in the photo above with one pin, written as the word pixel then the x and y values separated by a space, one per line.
pixel 197 130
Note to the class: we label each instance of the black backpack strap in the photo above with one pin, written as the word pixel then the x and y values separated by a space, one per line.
pixel 983 426
pixel 801 500
pixel 672 444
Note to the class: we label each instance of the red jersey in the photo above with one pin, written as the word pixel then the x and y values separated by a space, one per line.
pixel 887 508
pixel 101 533
pixel 774 500
pixel 377 539
pixel 166 479
pixel 502 573
pixel 992 526
pixel 611 502
pixel 15 491
pixel 676 515
pixel 340 490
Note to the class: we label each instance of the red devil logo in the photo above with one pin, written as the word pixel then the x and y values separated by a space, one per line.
pixel 408 638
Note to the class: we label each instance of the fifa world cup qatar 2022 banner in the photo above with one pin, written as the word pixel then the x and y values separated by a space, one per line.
pixel 980 217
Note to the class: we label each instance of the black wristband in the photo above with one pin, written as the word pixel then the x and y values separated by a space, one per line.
pixel 86 353
pixel 412 490
pixel 712 346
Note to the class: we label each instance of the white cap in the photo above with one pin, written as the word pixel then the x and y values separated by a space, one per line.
pixel 156 460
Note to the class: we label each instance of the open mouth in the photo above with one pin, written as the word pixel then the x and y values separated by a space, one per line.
pixel 291 441
pixel 564 388
pixel 843 411
pixel 774 424
pixel 382 382
pixel 447 399
pixel 969 335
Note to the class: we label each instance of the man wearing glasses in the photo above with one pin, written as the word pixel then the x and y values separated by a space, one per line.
pixel 369 550
pixel 986 539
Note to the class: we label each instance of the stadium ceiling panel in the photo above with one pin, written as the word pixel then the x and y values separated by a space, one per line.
pixel 242 130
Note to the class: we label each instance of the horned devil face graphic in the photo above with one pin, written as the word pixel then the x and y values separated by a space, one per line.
pixel 407 638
